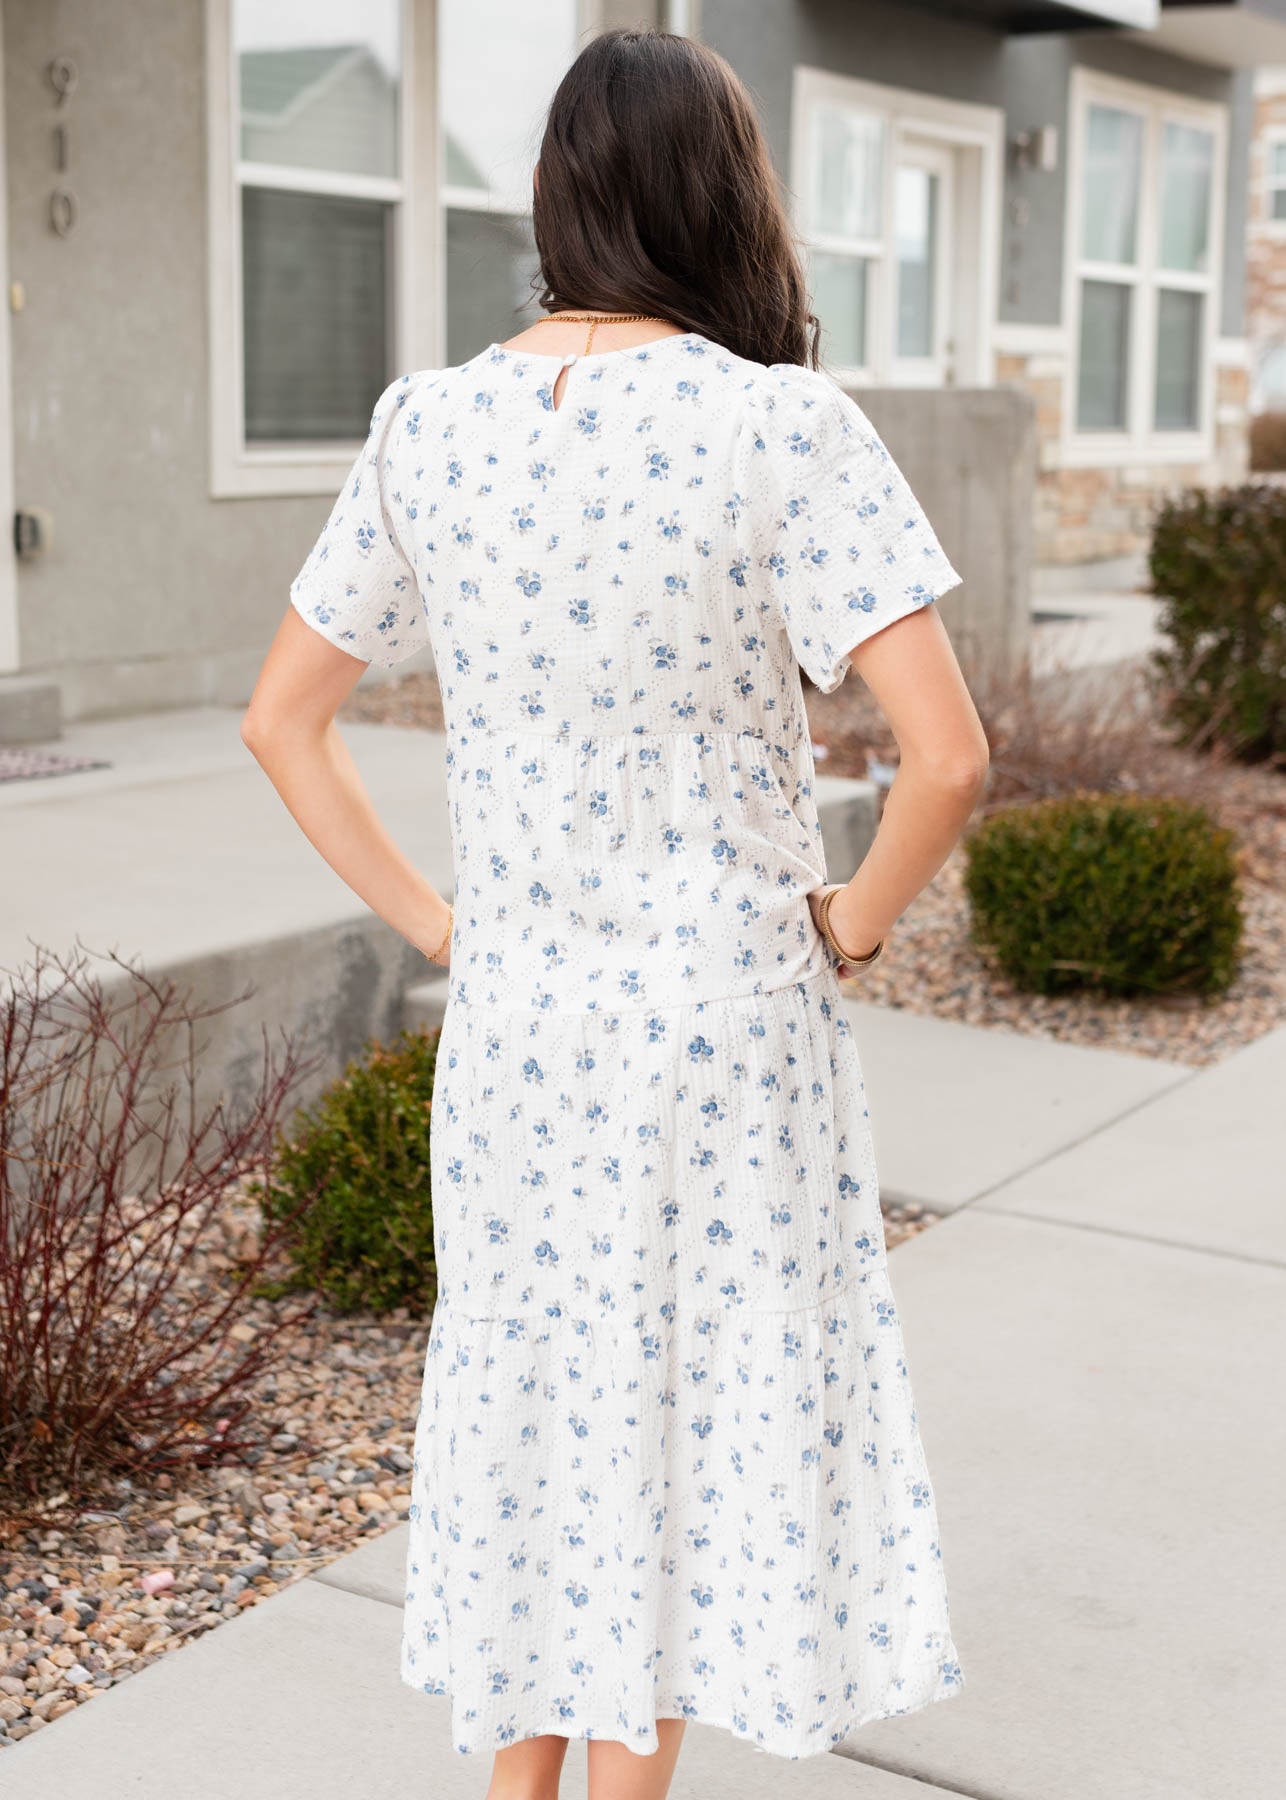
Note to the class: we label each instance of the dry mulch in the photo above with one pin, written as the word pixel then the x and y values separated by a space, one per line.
pixel 86 1602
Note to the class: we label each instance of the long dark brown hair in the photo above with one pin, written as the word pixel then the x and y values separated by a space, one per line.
pixel 656 193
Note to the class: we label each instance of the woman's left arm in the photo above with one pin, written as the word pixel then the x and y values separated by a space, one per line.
pixel 289 728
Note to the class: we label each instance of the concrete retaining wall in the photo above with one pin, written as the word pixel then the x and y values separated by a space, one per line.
pixel 970 457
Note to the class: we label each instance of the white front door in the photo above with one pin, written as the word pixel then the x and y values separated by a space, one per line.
pixel 920 351
pixel 897 204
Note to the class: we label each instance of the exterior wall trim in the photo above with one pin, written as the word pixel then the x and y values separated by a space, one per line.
pixel 1017 339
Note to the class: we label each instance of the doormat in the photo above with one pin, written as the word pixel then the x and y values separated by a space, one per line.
pixel 18 764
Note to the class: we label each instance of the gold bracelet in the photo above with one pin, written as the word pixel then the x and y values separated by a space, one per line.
pixel 446 936
pixel 824 919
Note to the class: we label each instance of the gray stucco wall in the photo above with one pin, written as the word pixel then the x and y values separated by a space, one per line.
pixel 153 593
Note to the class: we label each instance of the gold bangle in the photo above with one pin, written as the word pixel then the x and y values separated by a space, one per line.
pixel 446 936
pixel 824 919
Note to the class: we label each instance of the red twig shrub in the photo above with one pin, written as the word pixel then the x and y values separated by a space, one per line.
pixel 111 1357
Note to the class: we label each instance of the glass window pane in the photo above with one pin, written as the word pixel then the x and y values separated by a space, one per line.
pixel 839 300
pixel 491 258
pixel 316 293
pixel 1187 167
pixel 1104 356
pixel 916 233
pixel 1279 203
pixel 1178 384
pixel 319 85
pixel 848 150
pixel 500 61
pixel 1110 205
pixel 1277 160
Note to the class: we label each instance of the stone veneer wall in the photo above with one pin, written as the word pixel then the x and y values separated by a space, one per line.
pixel 1266 236
pixel 1096 513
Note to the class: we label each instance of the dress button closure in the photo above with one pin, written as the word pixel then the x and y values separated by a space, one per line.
pixel 569 360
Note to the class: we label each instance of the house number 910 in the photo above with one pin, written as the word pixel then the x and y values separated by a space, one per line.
pixel 63 76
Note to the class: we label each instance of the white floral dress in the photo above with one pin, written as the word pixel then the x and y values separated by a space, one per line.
pixel 667 1460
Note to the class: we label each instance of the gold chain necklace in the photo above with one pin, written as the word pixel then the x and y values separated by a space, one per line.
pixel 593 320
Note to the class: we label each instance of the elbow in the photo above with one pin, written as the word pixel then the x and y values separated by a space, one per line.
pixel 255 733
pixel 967 772
pixel 970 774
pixel 961 776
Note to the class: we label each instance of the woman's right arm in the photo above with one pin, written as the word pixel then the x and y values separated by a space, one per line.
pixel 912 672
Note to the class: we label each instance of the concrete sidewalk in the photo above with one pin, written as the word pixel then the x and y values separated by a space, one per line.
pixel 1092 1334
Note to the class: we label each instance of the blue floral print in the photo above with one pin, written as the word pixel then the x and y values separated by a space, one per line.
pixel 667 1461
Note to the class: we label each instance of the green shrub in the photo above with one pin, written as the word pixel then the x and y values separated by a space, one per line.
pixel 353 1175
pixel 1124 894
pixel 1218 563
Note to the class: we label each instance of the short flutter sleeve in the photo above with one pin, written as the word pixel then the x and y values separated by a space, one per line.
pixel 840 541
pixel 358 586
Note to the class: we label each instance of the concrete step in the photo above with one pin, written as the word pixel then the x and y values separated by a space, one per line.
pixel 31 710
pixel 424 1005
pixel 848 812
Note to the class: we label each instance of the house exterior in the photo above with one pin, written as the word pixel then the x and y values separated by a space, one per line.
pixel 226 223
pixel 1266 251
pixel 1047 196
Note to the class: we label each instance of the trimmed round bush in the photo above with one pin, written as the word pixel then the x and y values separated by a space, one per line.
pixel 1119 893
pixel 1218 563
pixel 352 1177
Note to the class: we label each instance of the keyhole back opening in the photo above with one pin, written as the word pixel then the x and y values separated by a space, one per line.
pixel 560 386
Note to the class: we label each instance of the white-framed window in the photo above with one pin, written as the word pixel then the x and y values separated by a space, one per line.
pixel 1274 181
pixel 369 188
pixel 321 260
pixel 897 201
pixel 1145 223
pixel 500 61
